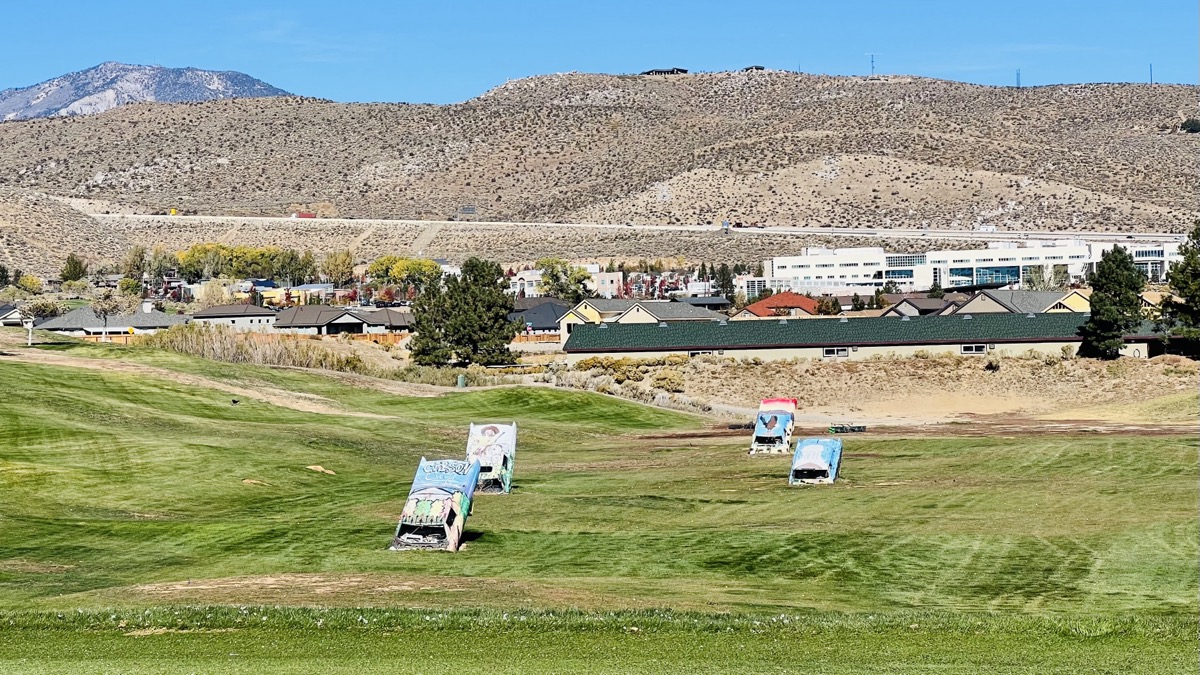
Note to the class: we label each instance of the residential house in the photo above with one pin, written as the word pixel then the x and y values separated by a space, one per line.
pixel 526 284
pixel 319 320
pixel 716 303
pixel 592 310
pixel 1152 302
pixel 852 339
pixel 1013 302
pixel 658 311
pixel 385 320
pixel 605 284
pixel 1077 300
pixel 918 307
pixel 83 322
pixel 540 319
pixel 785 303
pixel 242 317
pixel 10 315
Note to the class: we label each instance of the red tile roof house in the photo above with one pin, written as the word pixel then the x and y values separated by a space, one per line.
pixel 786 303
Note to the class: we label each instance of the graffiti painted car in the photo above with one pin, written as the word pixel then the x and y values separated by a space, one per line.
pixel 439 502
pixel 816 461
pixel 494 446
pixel 774 425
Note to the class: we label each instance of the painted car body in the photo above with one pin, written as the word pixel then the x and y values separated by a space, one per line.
pixel 773 426
pixel 817 461
pixel 494 446
pixel 438 504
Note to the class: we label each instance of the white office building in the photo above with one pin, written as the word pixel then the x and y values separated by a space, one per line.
pixel 849 270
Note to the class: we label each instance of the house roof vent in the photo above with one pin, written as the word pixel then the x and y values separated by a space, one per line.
pixel 783 322
pixel 722 322
pixel 843 320
pixel 905 318
pixel 1031 315
pixel 966 317
pixel 604 325
pixel 662 324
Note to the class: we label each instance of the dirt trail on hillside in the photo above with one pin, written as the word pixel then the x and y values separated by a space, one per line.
pixel 301 402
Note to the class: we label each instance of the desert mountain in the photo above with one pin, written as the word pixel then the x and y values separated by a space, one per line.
pixel 755 147
pixel 111 84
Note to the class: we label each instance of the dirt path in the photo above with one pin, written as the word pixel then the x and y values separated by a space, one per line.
pixel 309 403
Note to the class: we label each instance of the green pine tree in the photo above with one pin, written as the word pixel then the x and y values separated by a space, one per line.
pixel 725 285
pixel 936 292
pixel 74 269
pixel 1182 317
pixel 477 328
pixel 856 303
pixel 1116 305
pixel 428 344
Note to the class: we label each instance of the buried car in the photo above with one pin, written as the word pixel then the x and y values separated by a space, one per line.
pixel 774 425
pixel 439 502
pixel 494 446
pixel 816 461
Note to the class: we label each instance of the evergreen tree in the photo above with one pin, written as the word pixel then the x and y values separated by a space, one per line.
pixel 428 344
pixel 857 304
pixel 1182 317
pixel 828 306
pixel 725 282
pixel 465 319
pixel 74 269
pixel 703 274
pixel 936 292
pixel 4 278
pixel 1116 305
pixel 758 270
pixel 879 301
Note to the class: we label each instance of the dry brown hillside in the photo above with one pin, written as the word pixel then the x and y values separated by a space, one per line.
pixel 37 232
pixel 770 147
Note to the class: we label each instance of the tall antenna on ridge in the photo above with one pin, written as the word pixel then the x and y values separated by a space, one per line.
pixel 1151 73
pixel 1018 78
pixel 872 55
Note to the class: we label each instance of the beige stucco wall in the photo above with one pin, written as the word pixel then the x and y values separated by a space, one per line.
pixel 982 304
pixel 636 314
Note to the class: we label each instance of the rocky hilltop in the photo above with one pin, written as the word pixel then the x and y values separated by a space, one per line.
pixel 112 84
pixel 767 147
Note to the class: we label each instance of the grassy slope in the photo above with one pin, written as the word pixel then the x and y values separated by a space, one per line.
pixel 112 480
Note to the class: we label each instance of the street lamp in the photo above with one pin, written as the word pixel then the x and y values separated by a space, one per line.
pixel 27 322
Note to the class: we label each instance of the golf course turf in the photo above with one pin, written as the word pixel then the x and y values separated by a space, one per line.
pixel 149 524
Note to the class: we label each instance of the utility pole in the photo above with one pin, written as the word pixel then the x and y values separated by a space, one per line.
pixel 1151 73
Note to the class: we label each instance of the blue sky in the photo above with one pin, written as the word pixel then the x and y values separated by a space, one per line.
pixel 441 51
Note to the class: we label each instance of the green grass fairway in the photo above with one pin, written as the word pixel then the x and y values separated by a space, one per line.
pixel 135 503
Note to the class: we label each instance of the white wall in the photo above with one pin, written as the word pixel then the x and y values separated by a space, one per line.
pixel 241 323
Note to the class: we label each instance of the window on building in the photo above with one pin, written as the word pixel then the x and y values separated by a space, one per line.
pixel 905 260
pixel 834 352
pixel 962 261
pixel 825 265
pixel 1008 260
pixel 849 264
pixel 699 353
pixel 898 274
pixel 973 349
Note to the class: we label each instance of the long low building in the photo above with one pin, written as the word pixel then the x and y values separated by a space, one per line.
pixel 855 339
